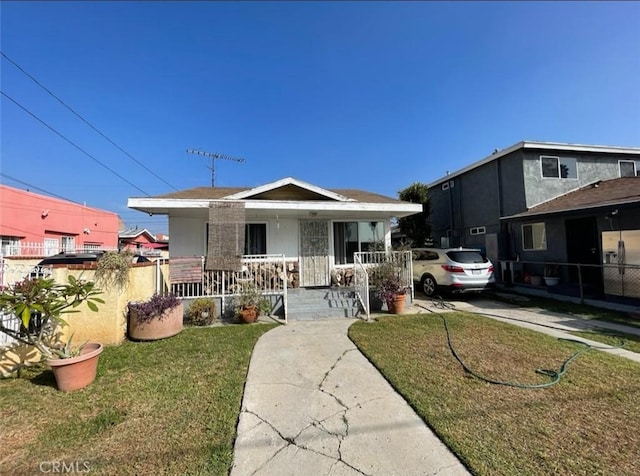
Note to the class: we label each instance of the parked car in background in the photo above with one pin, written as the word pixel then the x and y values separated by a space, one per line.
pixel 41 269
pixel 457 270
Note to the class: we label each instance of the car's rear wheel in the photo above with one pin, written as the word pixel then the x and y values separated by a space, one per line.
pixel 429 285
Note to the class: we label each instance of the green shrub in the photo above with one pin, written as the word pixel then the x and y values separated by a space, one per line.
pixel 201 312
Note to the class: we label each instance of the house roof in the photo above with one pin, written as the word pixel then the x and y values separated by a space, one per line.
pixel 555 146
pixel 285 194
pixel 134 233
pixel 601 194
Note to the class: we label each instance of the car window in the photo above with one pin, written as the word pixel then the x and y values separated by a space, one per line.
pixel 425 255
pixel 467 257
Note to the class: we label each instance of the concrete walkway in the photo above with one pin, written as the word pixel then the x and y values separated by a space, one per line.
pixel 314 405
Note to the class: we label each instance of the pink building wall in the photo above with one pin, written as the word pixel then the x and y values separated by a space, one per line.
pixel 32 218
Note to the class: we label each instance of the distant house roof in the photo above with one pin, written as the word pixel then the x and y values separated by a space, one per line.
pixel 556 146
pixel 285 194
pixel 602 194
pixel 135 232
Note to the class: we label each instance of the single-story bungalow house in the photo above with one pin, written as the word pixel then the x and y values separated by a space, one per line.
pixel 316 229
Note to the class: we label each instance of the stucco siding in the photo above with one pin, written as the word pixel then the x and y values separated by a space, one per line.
pixel 187 236
pixel 283 237
pixel 512 184
pixel 590 168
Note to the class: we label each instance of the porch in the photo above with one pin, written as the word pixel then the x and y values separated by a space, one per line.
pixel 277 277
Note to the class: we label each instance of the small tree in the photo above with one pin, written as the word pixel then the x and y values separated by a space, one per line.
pixel 45 300
pixel 416 227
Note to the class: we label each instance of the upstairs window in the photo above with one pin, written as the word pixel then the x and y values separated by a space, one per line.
pixel 559 167
pixel 629 168
pixel 10 246
pixel 478 230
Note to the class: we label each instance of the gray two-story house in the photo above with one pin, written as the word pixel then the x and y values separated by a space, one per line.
pixel 539 201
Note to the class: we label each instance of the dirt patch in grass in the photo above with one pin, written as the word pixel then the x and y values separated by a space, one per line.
pixel 583 425
pixel 165 407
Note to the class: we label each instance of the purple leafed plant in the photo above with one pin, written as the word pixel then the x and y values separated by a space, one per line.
pixel 155 307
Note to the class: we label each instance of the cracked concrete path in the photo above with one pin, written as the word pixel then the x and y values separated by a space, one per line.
pixel 314 405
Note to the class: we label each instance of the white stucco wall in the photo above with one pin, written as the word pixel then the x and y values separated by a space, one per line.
pixel 187 236
pixel 283 237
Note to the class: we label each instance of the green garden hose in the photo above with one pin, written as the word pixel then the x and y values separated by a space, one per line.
pixel 554 375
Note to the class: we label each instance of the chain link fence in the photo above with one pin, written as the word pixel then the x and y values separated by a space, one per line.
pixel 594 281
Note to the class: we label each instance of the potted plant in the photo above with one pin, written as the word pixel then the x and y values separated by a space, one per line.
pixel 40 303
pixel 159 317
pixel 377 274
pixel 391 289
pixel 248 302
pixel 201 312
pixel 551 275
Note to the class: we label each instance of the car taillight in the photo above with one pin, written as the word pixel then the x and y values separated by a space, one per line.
pixel 452 269
pixel 490 269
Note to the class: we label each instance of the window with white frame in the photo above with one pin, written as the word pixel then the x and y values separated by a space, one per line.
pixel 559 167
pixel 478 230
pixel 10 246
pixel 350 237
pixel 629 168
pixel 534 237
pixel 51 246
pixel 68 243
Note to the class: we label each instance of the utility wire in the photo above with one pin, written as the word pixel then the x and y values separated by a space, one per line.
pixel 86 121
pixel 72 143
pixel 35 188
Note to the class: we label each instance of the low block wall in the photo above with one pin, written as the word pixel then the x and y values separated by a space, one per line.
pixel 107 326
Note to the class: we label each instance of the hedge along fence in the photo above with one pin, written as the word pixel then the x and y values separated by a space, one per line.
pixel 107 326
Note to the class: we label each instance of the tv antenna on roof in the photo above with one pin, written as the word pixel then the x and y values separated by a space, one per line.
pixel 213 156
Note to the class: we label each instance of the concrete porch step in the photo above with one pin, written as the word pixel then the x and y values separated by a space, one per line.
pixel 321 303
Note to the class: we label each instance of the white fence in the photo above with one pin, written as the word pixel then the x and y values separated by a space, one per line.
pixel 10 322
pixel 363 261
pixel 26 248
pixel 189 279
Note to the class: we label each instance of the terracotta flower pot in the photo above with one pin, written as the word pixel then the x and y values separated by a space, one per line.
pixel 167 325
pixel 396 305
pixel 248 314
pixel 77 372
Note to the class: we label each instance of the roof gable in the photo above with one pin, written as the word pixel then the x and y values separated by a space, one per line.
pixel 288 189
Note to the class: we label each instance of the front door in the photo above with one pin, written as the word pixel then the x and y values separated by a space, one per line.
pixel 314 253
pixel 583 246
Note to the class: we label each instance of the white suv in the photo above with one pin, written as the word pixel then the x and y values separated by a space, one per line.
pixel 455 269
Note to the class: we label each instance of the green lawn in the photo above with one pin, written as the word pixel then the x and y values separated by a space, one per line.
pixel 584 425
pixel 166 407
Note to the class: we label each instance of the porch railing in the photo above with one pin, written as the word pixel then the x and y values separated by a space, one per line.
pixel 361 284
pixel 189 279
pixel 364 260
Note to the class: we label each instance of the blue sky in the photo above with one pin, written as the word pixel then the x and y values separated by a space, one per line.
pixel 369 95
